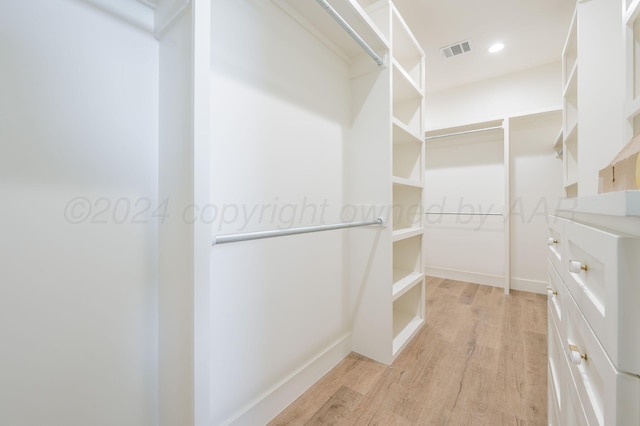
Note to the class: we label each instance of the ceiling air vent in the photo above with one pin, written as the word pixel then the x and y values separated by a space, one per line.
pixel 456 49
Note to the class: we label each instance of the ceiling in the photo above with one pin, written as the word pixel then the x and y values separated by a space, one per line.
pixel 533 32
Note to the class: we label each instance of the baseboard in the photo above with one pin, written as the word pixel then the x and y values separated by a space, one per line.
pixel 268 405
pixel 532 286
pixel 522 284
pixel 467 276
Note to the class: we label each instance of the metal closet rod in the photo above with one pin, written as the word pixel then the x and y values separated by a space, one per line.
pixel 354 35
pixel 463 133
pixel 232 238
pixel 466 213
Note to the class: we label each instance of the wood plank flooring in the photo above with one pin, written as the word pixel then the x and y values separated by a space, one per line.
pixel 481 359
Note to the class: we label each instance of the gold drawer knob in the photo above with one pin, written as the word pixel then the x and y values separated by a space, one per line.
pixel 576 356
pixel 552 291
pixel 552 241
pixel 576 266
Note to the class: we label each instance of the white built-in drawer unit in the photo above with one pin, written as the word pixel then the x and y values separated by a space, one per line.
pixel 556 371
pixel 573 412
pixel 593 275
pixel 602 273
pixel 553 410
pixel 555 243
pixel 608 396
pixel 557 292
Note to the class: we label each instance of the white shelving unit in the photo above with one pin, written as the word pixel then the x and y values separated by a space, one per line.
pixel 570 110
pixel 632 64
pixel 407 180
pixel 602 41
pixel 385 154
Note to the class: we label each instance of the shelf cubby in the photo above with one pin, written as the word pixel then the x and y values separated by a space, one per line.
pixel 570 157
pixel 379 11
pixel 407 161
pixel 570 51
pixel 407 265
pixel 402 134
pixel 408 316
pixel 571 190
pixel 407 206
pixel 404 87
pixel 406 50
pixel 409 113
pixel 571 105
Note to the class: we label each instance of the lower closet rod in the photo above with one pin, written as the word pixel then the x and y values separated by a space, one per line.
pixel 232 238
pixel 466 213
pixel 466 132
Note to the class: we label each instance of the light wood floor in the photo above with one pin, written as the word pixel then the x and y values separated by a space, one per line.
pixel 480 359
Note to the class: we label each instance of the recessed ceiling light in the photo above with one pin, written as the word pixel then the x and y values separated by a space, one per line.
pixel 496 47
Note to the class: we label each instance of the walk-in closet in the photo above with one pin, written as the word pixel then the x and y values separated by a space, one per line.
pixel 269 212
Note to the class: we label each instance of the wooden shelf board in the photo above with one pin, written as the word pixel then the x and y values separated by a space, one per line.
pixel 404 281
pixel 402 134
pixel 571 85
pixel 407 182
pixel 403 85
pixel 404 233
pixel 571 131
pixel 405 326
pixel 559 139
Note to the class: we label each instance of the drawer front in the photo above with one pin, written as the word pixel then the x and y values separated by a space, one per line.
pixel 574 412
pixel 608 396
pixel 553 411
pixel 557 363
pixel 556 292
pixel 555 242
pixel 602 273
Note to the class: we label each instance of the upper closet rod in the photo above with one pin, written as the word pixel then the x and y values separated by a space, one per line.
pixel 232 238
pixel 354 35
pixel 464 133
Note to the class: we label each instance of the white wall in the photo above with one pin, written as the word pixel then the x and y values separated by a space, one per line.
pixel 523 92
pixel 465 174
pixel 280 111
pixel 78 143
pixel 536 176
